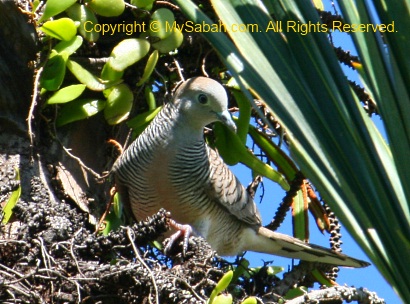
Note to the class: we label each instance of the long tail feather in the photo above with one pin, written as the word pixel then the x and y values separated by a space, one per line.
pixel 287 246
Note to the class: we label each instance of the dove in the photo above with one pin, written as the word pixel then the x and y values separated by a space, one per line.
pixel 170 166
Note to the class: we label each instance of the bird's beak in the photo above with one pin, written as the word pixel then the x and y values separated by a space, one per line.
pixel 226 118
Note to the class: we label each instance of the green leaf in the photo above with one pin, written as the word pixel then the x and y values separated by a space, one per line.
pixel 34 5
pixel 14 197
pixel 143 119
pixel 250 300
pixel 107 8
pixel 172 42
pixel 233 151
pixel 67 94
pixel 62 29
pixel 161 22
pixel 241 269
pixel 226 142
pixel 84 76
pixel 222 284
pixel 300 218
pixel 119 104
pixel 322 278
pixel 149 68
pixel 54 71
pixel 319 4
pixel 150 98
pixel 283 162
pixel 117 206
pixel 112 222
pixel 128 52
pixel 144 4
pixel 54 7
pixel 223 299
pixel 87 19
pixel 295 292
pixel 108 73
pixel 245 109
pixel 70 47
pixel 79 109
pixel 270 270
pixel 318 212
pixel 157 244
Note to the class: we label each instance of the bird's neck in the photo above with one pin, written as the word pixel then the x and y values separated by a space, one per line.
pixel 184 133
pixel 182 128
pixel 178 129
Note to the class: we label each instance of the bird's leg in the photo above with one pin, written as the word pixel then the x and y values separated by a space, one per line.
pixel 185 230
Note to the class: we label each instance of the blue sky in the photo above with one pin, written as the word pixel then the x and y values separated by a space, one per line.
pixel 369 277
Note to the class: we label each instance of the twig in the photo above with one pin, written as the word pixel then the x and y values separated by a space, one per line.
pixel 11 270
pixel 168 4
pixel 46 257
pixel 31 111
pixel 117 145
pixel 294 276
pixel 28 294
pixel 27 276
pixel 129 234
pixel 5 242
pixel 253 186
pixel 72 251
pixel 22 277
pixel 80 162
pixel 179 69
pixel 97 176
pixel 130 5
pixel 128 139
pixel 100 226
pixel 190 288
pixel 203 66
pixel 5 273
pixel 12 295
pixel 58 274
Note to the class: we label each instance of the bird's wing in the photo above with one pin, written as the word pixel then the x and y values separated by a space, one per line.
pixel 226 189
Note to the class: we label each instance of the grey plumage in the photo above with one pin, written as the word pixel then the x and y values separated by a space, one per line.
pixel 170 166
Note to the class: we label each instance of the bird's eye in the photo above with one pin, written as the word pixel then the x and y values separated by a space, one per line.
pixel 202 98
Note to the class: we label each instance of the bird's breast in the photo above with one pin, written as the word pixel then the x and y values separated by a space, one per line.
pixel 176 180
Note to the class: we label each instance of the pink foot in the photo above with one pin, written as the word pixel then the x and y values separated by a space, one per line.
pixel 185 230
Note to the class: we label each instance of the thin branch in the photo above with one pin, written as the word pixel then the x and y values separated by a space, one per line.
pixel 179 69
pixel 72 251
pixel 203 66
pixel 167 3
pixel 31 110
pixel 131 238
pixel 191 289
pixel 28 293
pixel 80 162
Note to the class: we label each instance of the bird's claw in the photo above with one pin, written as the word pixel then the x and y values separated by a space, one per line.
pixel 185 230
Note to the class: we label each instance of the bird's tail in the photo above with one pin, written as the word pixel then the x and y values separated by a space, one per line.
pixel 275 243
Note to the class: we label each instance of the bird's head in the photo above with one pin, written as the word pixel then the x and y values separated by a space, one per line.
pixel 202 101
